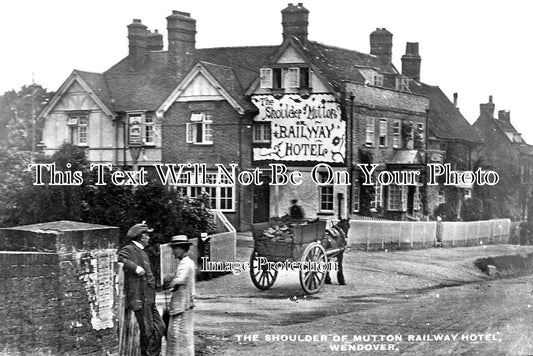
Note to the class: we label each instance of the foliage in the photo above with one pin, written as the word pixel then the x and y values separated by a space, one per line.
pixel 503 196
pixel 122 206
pixel 472 210
pixel 17 110
pixel 446 212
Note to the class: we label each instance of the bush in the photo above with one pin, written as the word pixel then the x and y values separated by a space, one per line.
pixel 122 206
pixel 446 212
pixel 472 210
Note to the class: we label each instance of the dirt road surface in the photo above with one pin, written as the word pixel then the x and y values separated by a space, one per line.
pixel 417 302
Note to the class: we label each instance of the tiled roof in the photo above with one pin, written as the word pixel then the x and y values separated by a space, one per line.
pixel 340 64
pixel 147 88
pixel 506 126
pixel 97 83
pixel 445 120
pixel 228 80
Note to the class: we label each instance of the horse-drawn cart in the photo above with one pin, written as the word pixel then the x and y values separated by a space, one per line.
pixel 292 243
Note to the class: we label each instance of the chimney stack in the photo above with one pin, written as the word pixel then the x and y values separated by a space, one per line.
pixel 155 41
pixel 137 33
pixel 295 20
pixel 504 115
pixel 381 45
pixel 181 41
pixel 411 61
pixel 487 110
pixel 455 96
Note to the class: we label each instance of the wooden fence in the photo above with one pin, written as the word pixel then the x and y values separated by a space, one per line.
pixel 128 330
pixel 422 234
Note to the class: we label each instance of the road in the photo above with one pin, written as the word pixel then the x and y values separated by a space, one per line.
pixel 395 303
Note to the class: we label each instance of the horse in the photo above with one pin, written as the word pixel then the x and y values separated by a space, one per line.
pixel 335 239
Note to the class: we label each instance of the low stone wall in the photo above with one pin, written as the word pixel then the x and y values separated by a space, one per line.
pixel 58 289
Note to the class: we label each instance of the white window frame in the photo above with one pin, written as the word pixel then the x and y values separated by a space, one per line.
pixel 402 84
pixel 262 132
pixel 356 196
pixel 369 131
pixel 396 133
pixel 421 131
pixel 79 124
pixel 221 196
pixel 326 195
pixel 396 200
pixel 148 129
pixel 293 77
pixel 83 130
pixel 377 200
pixel 147 123
pixel 205 123
pixel 265 78
pixel 383 126
pixel 377 80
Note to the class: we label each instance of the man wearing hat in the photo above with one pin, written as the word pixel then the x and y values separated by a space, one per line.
pixel 180 338
pixel 139 288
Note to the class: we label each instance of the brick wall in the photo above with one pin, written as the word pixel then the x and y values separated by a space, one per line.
pixel 58 289
pixel 232 143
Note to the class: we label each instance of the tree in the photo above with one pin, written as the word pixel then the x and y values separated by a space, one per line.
pixel 17 111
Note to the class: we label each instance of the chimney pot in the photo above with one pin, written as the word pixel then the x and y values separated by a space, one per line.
pixel 181 40
pixel 295 21
pixel 455 95
pixel 487 110
pixel 381 45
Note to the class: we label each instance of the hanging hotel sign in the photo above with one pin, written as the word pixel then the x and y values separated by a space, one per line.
pixel 307 129
pixel 135 133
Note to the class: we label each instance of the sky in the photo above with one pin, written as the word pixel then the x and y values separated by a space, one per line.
pixel 470 47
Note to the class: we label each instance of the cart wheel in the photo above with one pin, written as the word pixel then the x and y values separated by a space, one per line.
pixel 261 277
pixel 312 280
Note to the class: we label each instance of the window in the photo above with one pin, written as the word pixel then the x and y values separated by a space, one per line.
pixel 305 78
pixel 420 128
pixel 440 197
pixel 266 78
pixel 325 193
pixel 356 196
pixel 396 133
pixel 149 129
pixel 396 197
pixel 262 132
pixel 293 78
pixel 79 124
pixel 277 78
pixel 383 132
pixel 377 199
pixel 402 84
pixel 141 129
pixel 199 130
pixel 221 197
pixel 377 80
pixel 369 131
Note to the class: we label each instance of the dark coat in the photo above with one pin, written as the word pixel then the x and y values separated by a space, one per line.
pixel 139 290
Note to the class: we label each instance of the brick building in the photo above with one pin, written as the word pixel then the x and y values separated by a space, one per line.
pixel 506 152
pixel 316 109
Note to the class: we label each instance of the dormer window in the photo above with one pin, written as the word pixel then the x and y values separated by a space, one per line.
pixel 402 84
pixel 285 78
pixel 266 78
pixel 293 78
pixel 377 80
